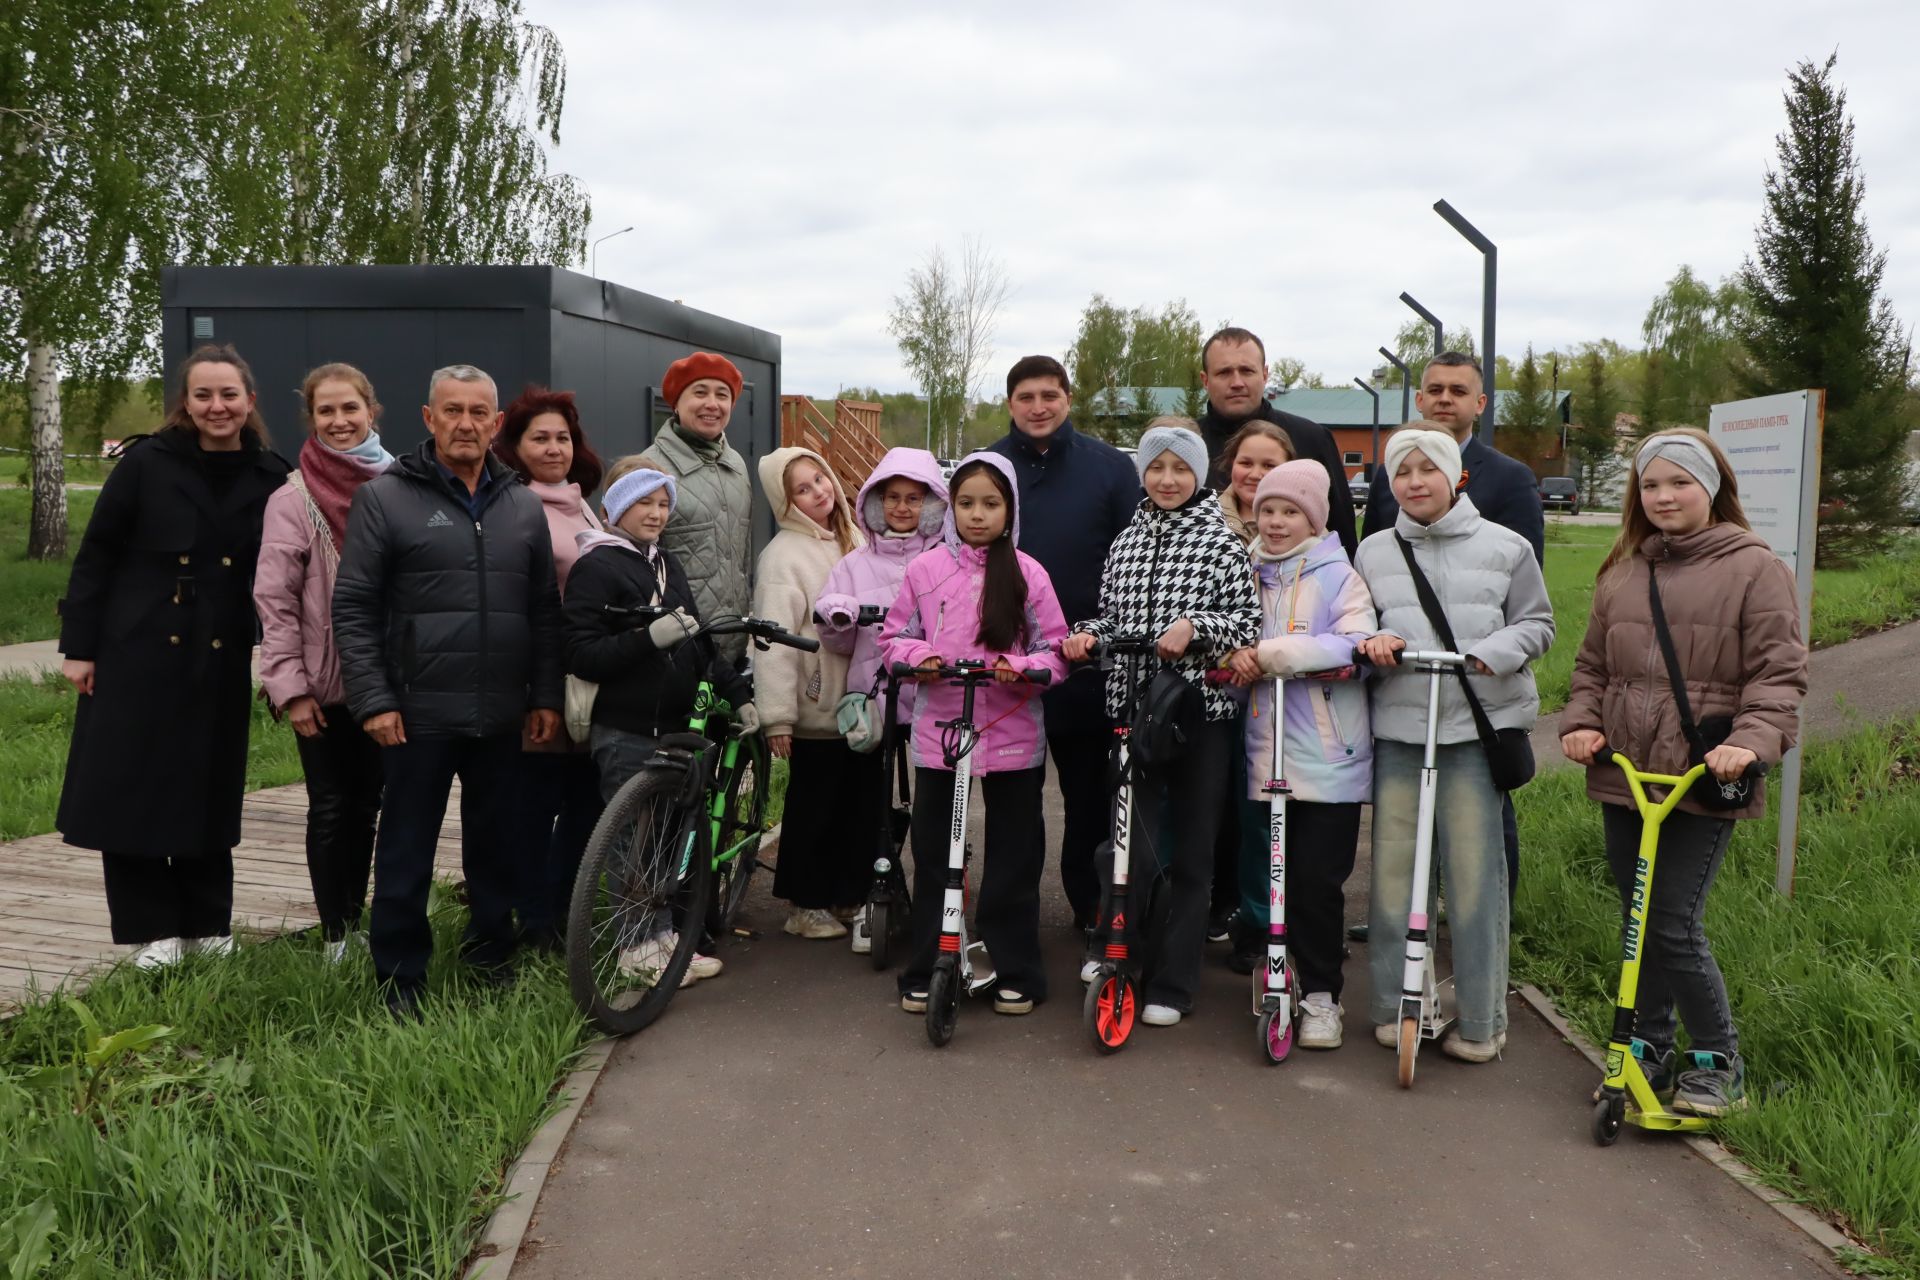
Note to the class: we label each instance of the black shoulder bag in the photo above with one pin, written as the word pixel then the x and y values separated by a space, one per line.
pixel 1709 792
pixel 1509 751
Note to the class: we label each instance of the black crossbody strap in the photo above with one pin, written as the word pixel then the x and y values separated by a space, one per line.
pixel 1430 605
pixel 1674 677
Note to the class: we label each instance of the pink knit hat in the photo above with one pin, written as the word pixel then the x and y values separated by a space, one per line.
pixel 1303 483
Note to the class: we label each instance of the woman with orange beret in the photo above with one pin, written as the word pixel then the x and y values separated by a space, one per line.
pixel 711 530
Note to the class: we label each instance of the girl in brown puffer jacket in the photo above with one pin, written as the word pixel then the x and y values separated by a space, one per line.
pixel 1731 608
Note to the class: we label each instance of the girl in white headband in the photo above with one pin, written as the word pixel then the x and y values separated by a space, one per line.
pixel 1734 620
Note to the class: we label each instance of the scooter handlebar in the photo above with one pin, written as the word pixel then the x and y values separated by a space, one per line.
pixel 1607 755
pixel 946 671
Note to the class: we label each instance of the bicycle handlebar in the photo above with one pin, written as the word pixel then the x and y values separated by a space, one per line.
pixel 967 673
pixel 760 629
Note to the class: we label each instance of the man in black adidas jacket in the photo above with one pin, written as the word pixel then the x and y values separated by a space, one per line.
pixel 1234 362
pixel 447 620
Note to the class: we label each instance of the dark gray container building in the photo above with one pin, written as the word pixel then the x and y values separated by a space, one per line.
pixel 608 344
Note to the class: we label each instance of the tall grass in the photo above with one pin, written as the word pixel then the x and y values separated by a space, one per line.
pixel 1825 985
pixel 29 589
pixel 288 1127
pixel 36 722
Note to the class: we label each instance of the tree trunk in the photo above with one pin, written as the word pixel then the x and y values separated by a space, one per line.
pixel 47 536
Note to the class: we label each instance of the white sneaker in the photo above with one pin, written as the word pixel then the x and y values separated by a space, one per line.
pixel 1455 1045
pixel 862 939
pixel 704 967
pixel 1320 1022
pixel 1088 972
pixel 1387 1034
pixel 217 946
pixel 337 952
pixel 158 955
pixel 645 962
pixel 813 923
pixel 1160 1015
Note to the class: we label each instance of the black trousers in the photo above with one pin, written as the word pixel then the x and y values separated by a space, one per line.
pixel 1080 765
pixel 344 780
pixel 1008 906
pixel 555 807
pixel 1321 840
pixel 153 898
pixel 1185 801
pixel 419 775
pixel 826 832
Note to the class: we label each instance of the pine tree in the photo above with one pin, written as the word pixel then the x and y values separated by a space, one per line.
pixel 1528 416
pixel 1815 317
pixel 1595 438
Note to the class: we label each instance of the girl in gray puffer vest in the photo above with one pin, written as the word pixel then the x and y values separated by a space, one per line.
pixel 1490 588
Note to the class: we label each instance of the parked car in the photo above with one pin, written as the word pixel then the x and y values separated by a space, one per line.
pixel 1560 493
pixel 1357 489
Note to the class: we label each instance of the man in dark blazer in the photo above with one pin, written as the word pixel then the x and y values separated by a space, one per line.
pixel 447 619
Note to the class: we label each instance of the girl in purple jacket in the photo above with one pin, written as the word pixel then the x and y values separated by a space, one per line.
pixel 1314 609
pixel 976 596
pixel 903 507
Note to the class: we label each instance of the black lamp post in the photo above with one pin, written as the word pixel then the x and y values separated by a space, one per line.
pixel 1487 291
pixel 1439 332
pixel 1406 384
pixel 1367 387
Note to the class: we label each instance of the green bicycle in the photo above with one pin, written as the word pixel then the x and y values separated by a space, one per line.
pixel 672 856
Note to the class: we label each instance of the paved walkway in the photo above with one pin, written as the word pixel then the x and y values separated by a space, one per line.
pixel 53 914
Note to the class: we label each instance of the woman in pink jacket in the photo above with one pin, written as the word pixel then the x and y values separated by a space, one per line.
pixel 304 529
pixel 976 596
pixel 558 800
pixel 902 506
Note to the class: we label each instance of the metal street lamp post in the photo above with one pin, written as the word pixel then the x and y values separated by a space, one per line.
pixel 1367 387
pixel 1406 384
pixel 593 254
pixel 1439 331
pixel 1487 291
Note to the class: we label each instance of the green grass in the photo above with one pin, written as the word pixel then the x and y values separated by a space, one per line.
pixel 288 1126
pixel 1824 986
pixel 1847 603
pixel 36 722
pixel 30 588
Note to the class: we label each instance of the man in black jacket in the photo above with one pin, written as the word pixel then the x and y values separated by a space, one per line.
pixel 1076 494
pixel 1234 362
pixel 447 620
pixel 1452 394
pixel 1503 489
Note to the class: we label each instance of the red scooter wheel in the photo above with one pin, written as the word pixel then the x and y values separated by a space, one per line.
pixel 1110 1010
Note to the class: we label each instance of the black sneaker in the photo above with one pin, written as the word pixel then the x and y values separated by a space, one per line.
pixel 1715 1084
pixel 1246 956
pixel 403 1003
pixel 1357 932
pixel 1220 925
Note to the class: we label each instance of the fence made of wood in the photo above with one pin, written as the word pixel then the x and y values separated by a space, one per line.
pixel 849 441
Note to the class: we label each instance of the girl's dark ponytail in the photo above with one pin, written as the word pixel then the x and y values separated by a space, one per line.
pixel 1003 601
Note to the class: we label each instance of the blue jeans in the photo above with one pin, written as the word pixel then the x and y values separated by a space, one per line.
pixel 1469 850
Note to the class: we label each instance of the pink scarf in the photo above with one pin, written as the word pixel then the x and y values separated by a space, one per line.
pixel 330 478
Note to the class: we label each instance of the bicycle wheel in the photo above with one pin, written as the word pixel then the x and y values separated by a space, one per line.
pixel 634 923
pixel 743 818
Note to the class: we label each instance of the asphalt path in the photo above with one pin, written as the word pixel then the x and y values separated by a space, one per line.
pixel 787 1119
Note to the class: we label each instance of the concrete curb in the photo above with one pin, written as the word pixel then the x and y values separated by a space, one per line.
pixel 498 1248
pixel 1811 1224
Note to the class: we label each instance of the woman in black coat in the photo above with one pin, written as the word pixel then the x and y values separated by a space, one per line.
pixel 157 629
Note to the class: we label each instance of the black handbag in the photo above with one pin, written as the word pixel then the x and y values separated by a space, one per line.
pixel 1709 792
pixel 1509 751
pixel 1168 718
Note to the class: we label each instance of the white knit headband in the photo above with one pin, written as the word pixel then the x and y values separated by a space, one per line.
pixel 1685 452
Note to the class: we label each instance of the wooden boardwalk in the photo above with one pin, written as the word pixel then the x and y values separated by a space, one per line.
pixel 53 912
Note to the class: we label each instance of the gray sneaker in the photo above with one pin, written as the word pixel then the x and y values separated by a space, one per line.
pixel 1713 1085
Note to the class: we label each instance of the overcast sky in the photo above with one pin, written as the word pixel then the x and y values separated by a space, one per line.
pixel 1274 164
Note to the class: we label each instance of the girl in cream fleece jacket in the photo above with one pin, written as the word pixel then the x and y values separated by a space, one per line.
pixel 821 873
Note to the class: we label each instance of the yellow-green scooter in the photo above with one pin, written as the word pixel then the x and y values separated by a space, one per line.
pixel 1626 1095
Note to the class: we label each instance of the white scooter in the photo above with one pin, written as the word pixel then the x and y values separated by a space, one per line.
pixel 1423 1000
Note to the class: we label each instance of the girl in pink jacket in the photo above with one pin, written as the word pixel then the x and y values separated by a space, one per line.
pixel 301 536
pixel 976 596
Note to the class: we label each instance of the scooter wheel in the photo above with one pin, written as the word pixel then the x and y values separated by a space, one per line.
pixel 1409 1049
pixel 879 931
pixel 1109 1010
pixel 1606 1120
pixel 1276 1035
pixel 943 998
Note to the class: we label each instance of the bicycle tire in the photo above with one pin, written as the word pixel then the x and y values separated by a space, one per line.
pixel 628 878
pixel 744 813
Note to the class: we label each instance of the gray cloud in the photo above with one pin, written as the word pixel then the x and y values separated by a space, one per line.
pixel 785 165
